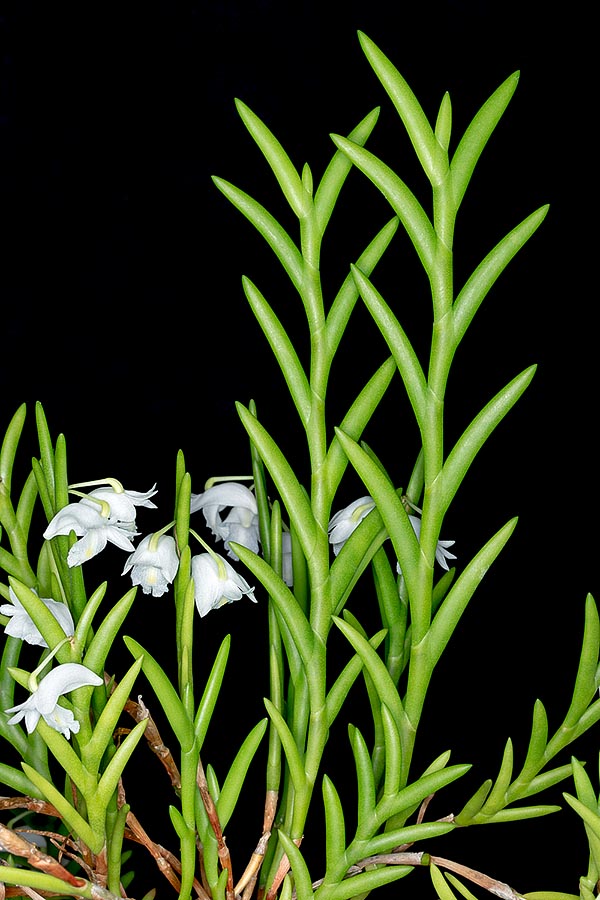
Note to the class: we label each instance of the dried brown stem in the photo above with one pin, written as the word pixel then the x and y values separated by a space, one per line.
pixel 213 818
pixel 14 843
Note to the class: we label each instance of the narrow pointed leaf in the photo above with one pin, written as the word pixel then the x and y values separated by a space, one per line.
pixel 167 696
pixel 10 445
pixel 475 435
pixel 400 347
pixel 340 689
pixel 93 751
pixel 390 507
pixel 274 234
pixel 367 791
pixel 294 498
pixel 282 348
pixel 74 821
pixel 337 171
pixel 476 136
pixel 400 197
pixel 114 770
pixel 282 166
pixel 335 829
pixel 234 781
pixel 345 299
pixel 453 606
pixel 211 692
pixel 478 285
pixel 427 148
pixel 302 879
pixel 292 755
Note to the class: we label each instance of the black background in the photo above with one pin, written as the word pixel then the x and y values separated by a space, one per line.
pixel 123 313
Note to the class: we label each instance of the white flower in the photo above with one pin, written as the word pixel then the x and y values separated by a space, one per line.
pixel 344 522
pixel 240 524
pixel 216 582
pixel 21 624
pixel 154 568
pixel 122 503
pixel 441 553
pixel 44 701
pixel 95 530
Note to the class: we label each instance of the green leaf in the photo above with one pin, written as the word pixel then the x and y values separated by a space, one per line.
pixel 585 681
pixel 335 831
pixel 211 692
pixel 114 770
pixel 274 234
pixel 402 350
pixel 476 137
pixel 106 635
pixel 474 804
pixel 377 670
pixel 520 813
pixel 293 757
pixel 167 696
pixel 93 751
pixel 9 447
pixel 393 753
pixel 391 509
pixel 282 166
pixel 337 171
pixel 340 689
pixel 26 503
pixel 430 153
pixel 475 435
pixel 442 888
pixel 84 624
pixel 355 421
pixel 401 198
pixel 478 285
pixel 237 773
pixel 497 797
pixel 46 623
pixel 282 348
pixel 345 299
pixel 294 498
pixel 74 821
pixel 300 630
pixel 535 758
pixel 367 793
pixel 362 884
pixel 409 798
pixel 302 879
pixel 447 617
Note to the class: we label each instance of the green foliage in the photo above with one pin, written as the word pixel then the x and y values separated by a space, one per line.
pixel 308 687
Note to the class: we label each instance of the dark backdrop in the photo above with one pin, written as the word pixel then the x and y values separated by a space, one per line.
pixel 122 312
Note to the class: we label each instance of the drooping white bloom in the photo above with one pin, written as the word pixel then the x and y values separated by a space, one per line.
pixel 241 522
pixel 22 626
pixel 154 568
pixel 442 554
pixel 44 701
pixel 346 520
pixel 122 503
pixel 216 583
pixel 95 530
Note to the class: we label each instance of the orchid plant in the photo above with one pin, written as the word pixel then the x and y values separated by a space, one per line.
pixel 68 720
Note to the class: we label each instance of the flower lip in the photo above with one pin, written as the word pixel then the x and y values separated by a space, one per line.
pixel 154 570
